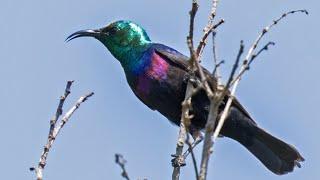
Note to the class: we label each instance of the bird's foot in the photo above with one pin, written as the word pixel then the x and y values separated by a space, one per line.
pixel 192 79
pixel 178 160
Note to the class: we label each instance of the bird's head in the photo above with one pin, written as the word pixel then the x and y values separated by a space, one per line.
pixel 124 39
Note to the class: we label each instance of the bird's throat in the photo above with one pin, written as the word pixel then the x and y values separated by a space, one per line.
pixel 130 56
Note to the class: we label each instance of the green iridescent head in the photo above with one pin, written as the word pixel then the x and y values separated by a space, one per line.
pixel 124 39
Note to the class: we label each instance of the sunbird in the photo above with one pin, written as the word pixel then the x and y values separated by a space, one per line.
pixel 157 75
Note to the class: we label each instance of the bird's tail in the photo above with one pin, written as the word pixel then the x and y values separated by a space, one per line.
pixel 278 156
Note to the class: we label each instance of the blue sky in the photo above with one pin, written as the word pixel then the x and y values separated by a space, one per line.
pixel 280 90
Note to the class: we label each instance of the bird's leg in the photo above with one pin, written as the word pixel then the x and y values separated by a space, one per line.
pixel 193 79
pixel 179 161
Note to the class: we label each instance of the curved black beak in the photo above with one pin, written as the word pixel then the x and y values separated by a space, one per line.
pixel 84 33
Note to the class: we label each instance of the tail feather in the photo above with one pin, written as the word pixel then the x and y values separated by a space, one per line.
pixel 278 156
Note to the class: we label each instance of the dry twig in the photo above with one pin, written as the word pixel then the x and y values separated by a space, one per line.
pixel 245 66
pixel 215 94
pixel 250 55
pixel 217 63
pixel 194 161
pixel 178 160
pixel 207 31
pixel 216 97
pixel 121 162
pixel 55 128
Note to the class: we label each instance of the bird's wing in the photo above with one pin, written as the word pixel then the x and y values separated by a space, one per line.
pixel 172 56
pixel 177 59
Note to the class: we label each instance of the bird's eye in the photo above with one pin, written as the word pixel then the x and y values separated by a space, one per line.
pixel 112 30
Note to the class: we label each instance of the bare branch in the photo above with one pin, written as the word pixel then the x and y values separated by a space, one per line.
pixel 247 61
pixel 179 160
pixel 217 63
pixel 233 71
pixel 59 111
pixel 216 71
pixel 55 129
pixel 215 95
pixel 247 65
pixel 251 56
pixel 190 43
pixel 194 161
pixel 231 96
pixel 207 144
pixel 213 10
pixel 266 29
pixel 204 39
pixel 121 162
pixel 67 116
pixel 264 48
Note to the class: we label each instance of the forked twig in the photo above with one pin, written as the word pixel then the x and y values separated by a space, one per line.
pixel 179 160
pixel 55 128
pixel 250 55
pixel 245 66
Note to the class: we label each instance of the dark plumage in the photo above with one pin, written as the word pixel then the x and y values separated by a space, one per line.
pixel 156 74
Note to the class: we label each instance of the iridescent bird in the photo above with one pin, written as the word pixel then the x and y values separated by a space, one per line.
pixel 156 74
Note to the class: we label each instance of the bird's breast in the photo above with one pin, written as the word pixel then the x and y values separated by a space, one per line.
pixel 160 86
pixel 153 75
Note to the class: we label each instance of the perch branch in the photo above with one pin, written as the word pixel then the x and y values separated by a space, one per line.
pixel 179 160
pixel 213 113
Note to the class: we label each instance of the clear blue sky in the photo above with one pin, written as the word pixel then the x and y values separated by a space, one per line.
pixel 281 91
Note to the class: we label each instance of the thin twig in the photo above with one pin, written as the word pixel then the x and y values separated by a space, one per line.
pixel 59 111
pixel 213 10
pixel 247 65
pixel 190 43
pixel 179 160
pixel 121 162
pixel 231 96
pixel 216 71
pixel 212 116
pixel 266 29
pixel 204 39
pixel 55 129
pixel 207 143
pixel 209 27
pixel 264 48
pixel 67 116
pixel 246 62
pixel 194 161
pixel 233 71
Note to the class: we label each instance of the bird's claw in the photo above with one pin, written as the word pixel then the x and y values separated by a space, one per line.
pixel 186 77
pixel 192 79
pixel 178 160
